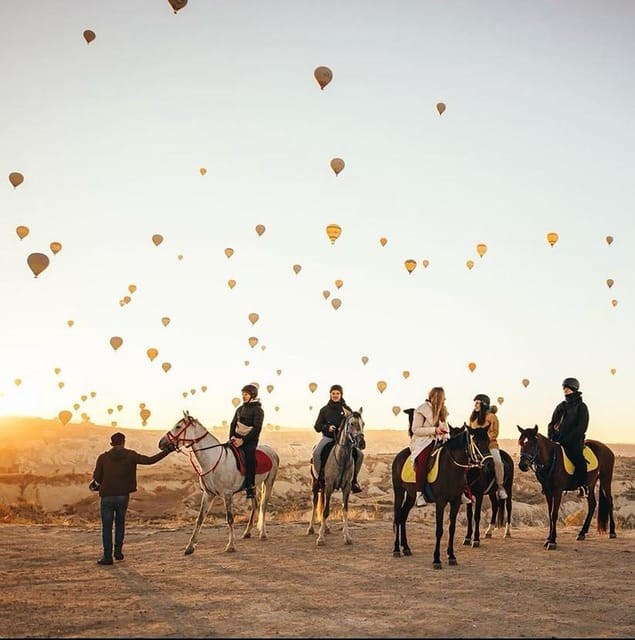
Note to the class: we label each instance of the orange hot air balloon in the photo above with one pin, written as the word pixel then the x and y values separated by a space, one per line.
pixel 229 252
pixel 610 282
pixel 323 75
pixel 22 231
pixel 56 247
pixel 127 299
pixel 116 342
pixel 312 387
pixel 440 107
pixel 614 302
pixel 202 171
pixel 166 366
pixel 177 5
pixel 396 410
pixel 410 265
pixel 260 229
pixel 336 303
pixel 70 323
pixel 89 36
pixel 165 321
pixel 152 353
pixel 132 288
pixel 253 341
pixel 481 249
pixel 253 318
pixel 469 264
pixel 337 164
pixel 381 385
pixel 500 399
pixel 142 405
pixel 333 231
pixel 552 238
pixel 297 268
pixel 405 374
pixel 269 388
pixel 383 241
pixel 16 179
pixel 60 385
pixel 64 416
pixel 145 414
pixel 364 359
pixel 325 294
pixel 339 283
pixel 235 401
pixel 157 238
pixel 425 263
pixel 609 240
pixel 471 366
pixel 76 406
pixel 613 371
pixel 37 263
pixel 231 283
pixel 525 382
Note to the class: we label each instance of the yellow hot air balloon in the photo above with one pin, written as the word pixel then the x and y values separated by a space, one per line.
pixel 312 387
pixel 269 388
pixel 235 401
pixel 339 283
pixel 231 283
pixel 410 265
pixel 116 342
pixel 613 371
pixel 525 382
pixel 364 359
pixel 469 264
pixel 93 394
pixel 381 385
pixel 56 247
pixel 337 164
pixel 37 263
pixel 204 388
pixel 89 36
pixel 333 231
pixel 157 238
pixel 609 240
pixel 396 410
pixel 325 294
pixel 84 398
pixel 177 5
pixel 57 371
pixel 297 268
pixel 132 288
pixel 336 303
pixel 253 341
pixel 16 179
pixel 425 263
pixel 76 406
pixel 405 374
pixel 70 323
pixel 383 241
pixel 229 252
pixel 253 318
pixel 110 410
pixel 119 407
pixel 323 75
pixel 64 416
pixel 471 366
pixel 152 353
pixel 202 171
pixel 60 385
pixel 166 366
pixel 165 321
pixel 610 282
pixel 500 399
pixel 614 302
pixel 440 107
pixel 260 229
pixel 552 238
pixel 22 231
pixel 481 249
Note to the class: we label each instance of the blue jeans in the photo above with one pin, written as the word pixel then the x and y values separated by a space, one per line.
pixel 113 509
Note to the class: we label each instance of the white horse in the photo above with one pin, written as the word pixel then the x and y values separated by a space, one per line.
pixel 219 475
pixel 338 474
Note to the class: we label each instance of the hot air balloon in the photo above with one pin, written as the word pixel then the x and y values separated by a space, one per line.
pixel 145 414
pixel 56 247
pixel 157 238
pixel 22 231
pixel 525 382
pixel 337 164
pixel 269 388
pixel 278 371
pixel 165 321
pixel 127 299
pixel 253 318
pixel 325 294
pixel 64 416
pixel 552 238
pixel 333 231
pixel 614 302
pixel 410 265
pixel 364 359
pixel 260 229
pixel 246 363
pixel 85 417
pixel 76 406
pixel 336 303
pixel 471 366
pixel 60 385
pixel 70 323
pixel 109 411
pixel 177 5
pixel 203 388
pixel 440 107
pixel 17 382
pixel 500 399
pixel 57 370
pixel 152 353
pixel 339 283
pixel 469 264
pixel 166 366
pixel 312 387
pixel 16 179
pixel 93 394
pixel 396 410
pixel 37 263
pixel 481 249
pixel 323 75
pixel 84 398
pixel 231 283
pixel 297 268
pixel 202 171
pixel 613 371
pixel 381 385
pixel 405 374
pixel 610 282
pixel 180 256
pixel 116 342
pixel 89 36
pixel 119 407
pixel 263 347
pixel 609 239
pixel 425 263
pixel 132 288
pixel 229 252
pixel 383 241
pixel 253 341
pixel 235 401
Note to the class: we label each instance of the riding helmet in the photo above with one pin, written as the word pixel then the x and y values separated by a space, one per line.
pixel 336 387
pixel 483 398
pixel 251 389
pixel 571 383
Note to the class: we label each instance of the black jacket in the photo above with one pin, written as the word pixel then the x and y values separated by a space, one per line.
pixel 573 416
pixel 331 413
pixel 251 415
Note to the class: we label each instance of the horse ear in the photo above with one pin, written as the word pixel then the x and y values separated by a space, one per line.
pixel 519 428
pixel 535 428
pixel 361 410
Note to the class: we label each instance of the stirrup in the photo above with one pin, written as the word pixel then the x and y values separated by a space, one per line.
pixel 583 491
pixel 355 488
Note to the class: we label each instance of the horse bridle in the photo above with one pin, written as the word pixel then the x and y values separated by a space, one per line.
pixel 345 424
pixel 176 439
pixel 475 457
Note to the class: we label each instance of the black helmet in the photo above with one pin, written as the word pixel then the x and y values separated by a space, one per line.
pixel 251 389
pixel 483 398
pixel 336 387
pixel 571 383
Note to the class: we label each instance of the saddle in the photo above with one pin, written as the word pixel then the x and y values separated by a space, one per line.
pixel 408 473
pixel 263 461
pixel 589 456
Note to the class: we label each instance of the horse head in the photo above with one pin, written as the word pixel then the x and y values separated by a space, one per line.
pixel 529 447
pixel 186 432
pixel 479 447
pixel 354 428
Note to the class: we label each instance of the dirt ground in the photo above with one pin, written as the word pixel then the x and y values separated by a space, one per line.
pixel 286 587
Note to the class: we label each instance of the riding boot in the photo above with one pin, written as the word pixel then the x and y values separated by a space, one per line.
pixel 355 488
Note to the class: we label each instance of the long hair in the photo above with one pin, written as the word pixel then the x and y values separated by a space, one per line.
pixel 479 416
pixel 436 397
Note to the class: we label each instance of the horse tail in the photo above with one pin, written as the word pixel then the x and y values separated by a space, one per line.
pixel 319 509
pixel 606 459
pixel 500 513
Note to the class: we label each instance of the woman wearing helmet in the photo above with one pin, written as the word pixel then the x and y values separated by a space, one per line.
pixel 568 426
pixel 244 432
pixel 485 416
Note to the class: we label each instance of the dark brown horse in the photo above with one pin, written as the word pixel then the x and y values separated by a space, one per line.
pixel 464 450
pixel 545 458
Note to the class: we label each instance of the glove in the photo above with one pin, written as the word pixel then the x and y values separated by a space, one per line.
pixel 94 485
pixel 171 446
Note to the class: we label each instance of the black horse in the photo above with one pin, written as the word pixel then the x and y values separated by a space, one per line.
pixel 464 450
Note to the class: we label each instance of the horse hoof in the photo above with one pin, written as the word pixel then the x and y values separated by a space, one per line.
pixel 436 565
pixel 613 535
pixel 348 541
pixel 508 535
pixel 310 531
pixel 229 549
pixel 407 552
pixel 396 554
pixel 263 536
pixel 452 562
pixel 467 542
pixel 319 542
pixel 550 546
pixel 246 535
pixel 476 544
pixel 189 551
pixel 580 536
pixel 488 534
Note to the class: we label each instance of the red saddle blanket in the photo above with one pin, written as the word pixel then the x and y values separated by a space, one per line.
pixel 263 461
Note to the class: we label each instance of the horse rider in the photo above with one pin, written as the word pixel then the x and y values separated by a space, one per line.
pixel 568 427
pixel 485 416
pixel 329 419
pixel 244 432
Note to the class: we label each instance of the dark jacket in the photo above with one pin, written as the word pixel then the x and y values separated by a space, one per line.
pixel 251 415
pixel 331 413
pixel 116 470
pixel 573 417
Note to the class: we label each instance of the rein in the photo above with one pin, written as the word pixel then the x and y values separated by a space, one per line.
pixel 473 453
pixel 537 466
pixel 348 443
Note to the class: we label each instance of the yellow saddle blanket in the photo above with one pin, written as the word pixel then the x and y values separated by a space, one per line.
pixel 589 456
pixel 408 469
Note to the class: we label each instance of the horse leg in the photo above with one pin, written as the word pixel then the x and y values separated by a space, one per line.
pixel 469 515
pixel 492 521
pixel 227 497
pixel 508 504
pixel 553 520
pixel 397 515
pixel 477 520
pixel 405 511
pixel 345 495
pixel 325 514
pixel 440 508
pixel 311 529
pixel 206 503
pixel 454 509
pixel 605 508
pixel 255 505
pixel 591 504
pixel 549 500
pixel 265 495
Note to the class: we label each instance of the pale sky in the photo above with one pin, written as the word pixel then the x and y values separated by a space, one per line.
pixel 537 136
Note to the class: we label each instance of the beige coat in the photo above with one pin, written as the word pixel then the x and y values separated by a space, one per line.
pixel 491 422
pixel 423 429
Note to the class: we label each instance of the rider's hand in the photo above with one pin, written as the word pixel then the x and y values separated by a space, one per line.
pixel 331 427
pixel 237 441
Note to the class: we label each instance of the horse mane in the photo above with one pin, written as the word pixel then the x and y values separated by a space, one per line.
pixel 411 414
